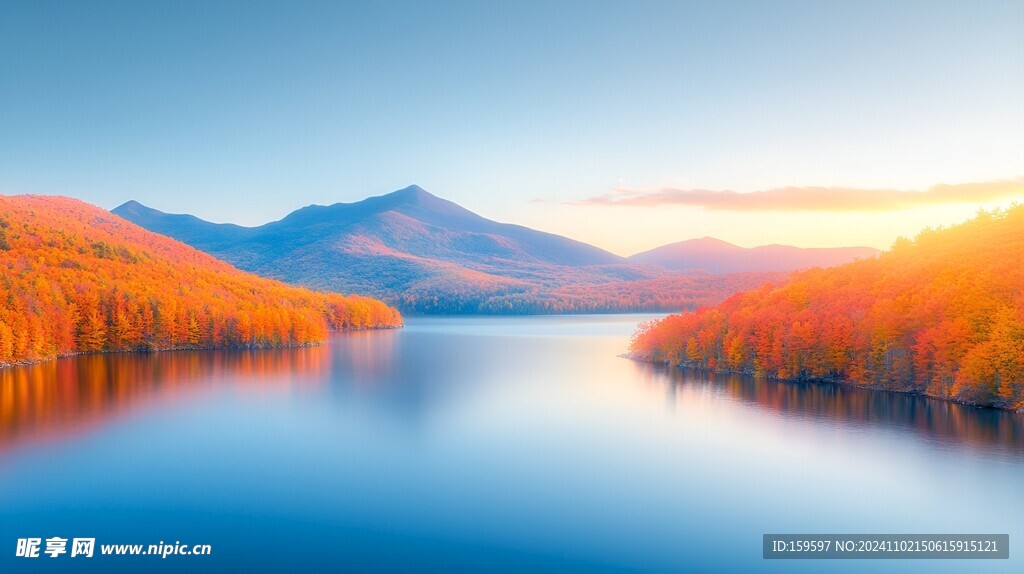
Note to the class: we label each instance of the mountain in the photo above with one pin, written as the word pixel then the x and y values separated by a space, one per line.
pixel 78 279
pixel 429 255
pixel 941 316
pixel 716 256
pixel 410 220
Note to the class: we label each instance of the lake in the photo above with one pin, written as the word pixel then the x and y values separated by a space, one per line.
pixel 483 445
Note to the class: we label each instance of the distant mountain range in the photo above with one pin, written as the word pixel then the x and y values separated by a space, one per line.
pixel 426 254
pixel 717 256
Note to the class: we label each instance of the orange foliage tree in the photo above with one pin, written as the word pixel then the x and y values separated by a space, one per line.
pixel 75 278
pixel 942 315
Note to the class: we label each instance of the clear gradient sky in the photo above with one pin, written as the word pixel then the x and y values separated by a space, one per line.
pixel 542 113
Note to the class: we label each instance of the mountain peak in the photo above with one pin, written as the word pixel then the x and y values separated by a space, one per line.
pixel 706 242
pixel 133 207
pixel 420 203
pixel 413 192
pixel 130 204
pixel 412 189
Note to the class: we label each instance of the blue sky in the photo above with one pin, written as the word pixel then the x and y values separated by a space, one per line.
pixel 245 111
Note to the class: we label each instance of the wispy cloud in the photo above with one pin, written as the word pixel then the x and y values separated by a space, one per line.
pixel 816 198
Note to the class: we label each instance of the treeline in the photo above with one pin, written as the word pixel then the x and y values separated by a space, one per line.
pixel 942 315
pixel 673 293
pixel 77 279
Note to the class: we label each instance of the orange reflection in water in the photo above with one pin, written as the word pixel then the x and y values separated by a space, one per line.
pixel 69 396
pixel 369 355
pixel 941 421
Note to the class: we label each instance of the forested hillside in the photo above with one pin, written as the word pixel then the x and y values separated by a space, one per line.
pixel 942 315
pixel 77 279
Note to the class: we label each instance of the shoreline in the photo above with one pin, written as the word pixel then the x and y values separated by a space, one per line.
pixel 819 381
pixel 142 351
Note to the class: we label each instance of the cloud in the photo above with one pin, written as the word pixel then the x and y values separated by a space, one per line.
pixel 815 198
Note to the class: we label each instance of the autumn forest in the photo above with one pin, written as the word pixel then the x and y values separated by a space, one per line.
pixel 79 279
pixel 942 315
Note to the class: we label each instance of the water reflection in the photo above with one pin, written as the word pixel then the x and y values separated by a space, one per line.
pixel 59 398
pixel 942 422
pixel 458 444
pixel 413 374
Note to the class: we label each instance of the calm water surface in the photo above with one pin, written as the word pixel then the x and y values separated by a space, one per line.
pixel 485 445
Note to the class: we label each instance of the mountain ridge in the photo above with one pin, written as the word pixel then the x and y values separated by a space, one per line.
pixel 718 256
pixel 431 255
pixel 412 201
